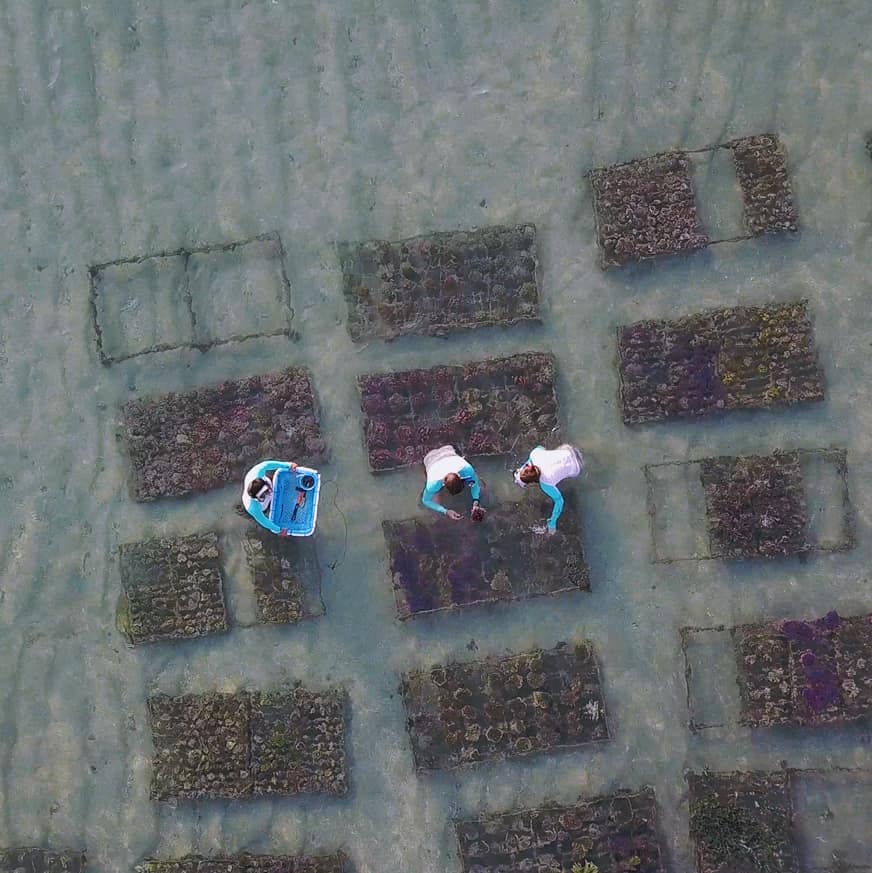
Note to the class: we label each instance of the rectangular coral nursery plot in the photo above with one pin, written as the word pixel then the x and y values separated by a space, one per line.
pixel 180 444
pixel 615 832
pixel 173 589
pixel 742 821
pixel 239 745
pixel 286 577
pixel 247 863
pixel 805 672
pixel 535 702
pixel 755 505
pixel 484 408
pixel 190 298
pixel 298 742
pixel 761 167
pixel 438 565
pixel 645 209
pixel 747 357
pixel 40 861
pixel 441 282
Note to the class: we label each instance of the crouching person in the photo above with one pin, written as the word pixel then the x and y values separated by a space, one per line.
pixel 548 468
pixel 446 469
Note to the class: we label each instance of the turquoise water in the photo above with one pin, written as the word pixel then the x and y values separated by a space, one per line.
pixel 131 127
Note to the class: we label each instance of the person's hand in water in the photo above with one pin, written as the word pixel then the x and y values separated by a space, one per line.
pixel 454 516
pixel 294 466
pixel 477 513
pixel 283 532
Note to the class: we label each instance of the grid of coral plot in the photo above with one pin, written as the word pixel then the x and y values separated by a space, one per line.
pixel 441 282
pixel 173 589
pixel 800 672
pixel 540 701
pixel 645 209
pixel 180 444
pixel 285 742
pixel 484 408
pixel 742 821
pixel 617 832
pixel 746 357
pixel 436 565
pixel 248 863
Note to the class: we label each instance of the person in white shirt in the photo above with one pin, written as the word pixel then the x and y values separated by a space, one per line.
pixel 446 469
pixel 548 468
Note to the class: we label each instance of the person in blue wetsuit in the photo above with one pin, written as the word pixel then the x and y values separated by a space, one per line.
pixel 446 469
pixel 549 468
pixel 258 490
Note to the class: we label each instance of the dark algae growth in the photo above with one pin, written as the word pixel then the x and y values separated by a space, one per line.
pixel 535 702
pixel 441 282
pixel 617 832
pixel 438 565
pixel 181 444
pixel 747 357
pixel 485 408
pixel 741 823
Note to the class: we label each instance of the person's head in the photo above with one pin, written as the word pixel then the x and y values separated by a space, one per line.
pixel 453 483
pixel 259 488
pixel 529 474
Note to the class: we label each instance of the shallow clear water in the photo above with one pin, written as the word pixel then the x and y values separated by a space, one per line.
pixel 129 127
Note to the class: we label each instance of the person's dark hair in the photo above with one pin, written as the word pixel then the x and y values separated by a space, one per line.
pixel 529 475
pixel 453 483
pixel 255 485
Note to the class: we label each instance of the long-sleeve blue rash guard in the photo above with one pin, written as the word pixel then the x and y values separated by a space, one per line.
pixel 551 491
pixel 255 510
pixel 470 478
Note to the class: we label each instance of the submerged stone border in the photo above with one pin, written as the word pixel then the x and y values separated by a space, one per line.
pixel 172 589
pixel 441 282
pixel 616 832
pixel 487 407
pixel 249 744
pixel 193 298
pixel 41 861
pixel 535 702
pixel 437 565
pixel 744 357
pixel 181 444
pixel 247 863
